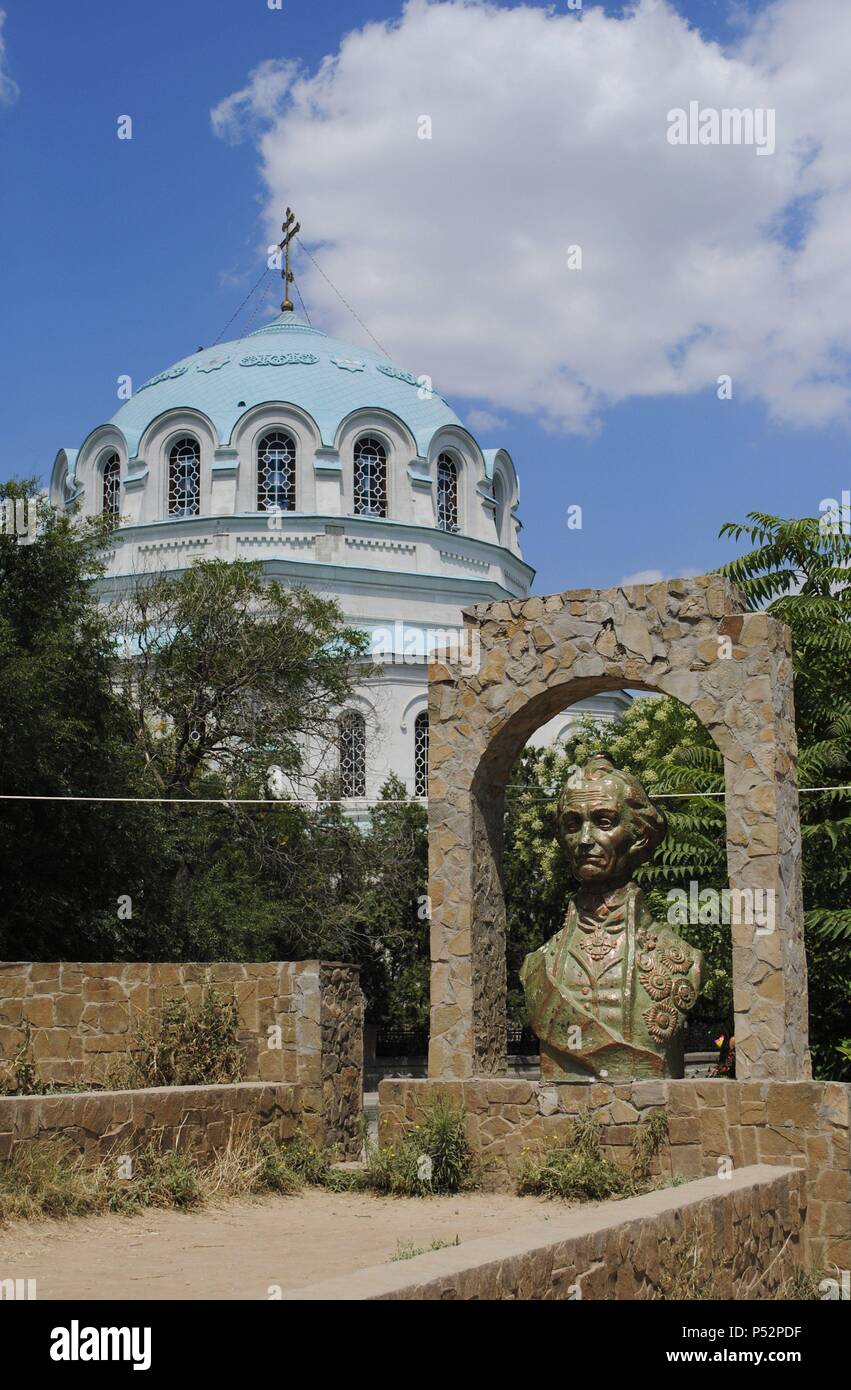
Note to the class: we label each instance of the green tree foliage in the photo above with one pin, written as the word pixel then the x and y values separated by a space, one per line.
pixel 63 731
pixel 288 883
pixel 799 573
pixel 798 570
pixel 232 672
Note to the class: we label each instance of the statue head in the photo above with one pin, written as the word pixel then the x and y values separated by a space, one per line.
pixel 606 823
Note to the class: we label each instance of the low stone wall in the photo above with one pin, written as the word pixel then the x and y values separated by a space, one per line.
pixel 801 1123
pixel 202 1118
pixel 740 1239
pixel 300 1022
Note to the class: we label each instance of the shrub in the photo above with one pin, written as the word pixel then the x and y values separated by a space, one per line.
pixel 430 1158
pixel 646 1143
pixel 52 1178
pixel 182 1044
pixel 20 1076
pixel 161 1178
pixel 574 1167
pixel 693 1271
pixel 803 1287
pixel 289 1166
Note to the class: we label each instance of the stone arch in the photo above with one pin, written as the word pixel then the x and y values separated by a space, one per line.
pixel 693 639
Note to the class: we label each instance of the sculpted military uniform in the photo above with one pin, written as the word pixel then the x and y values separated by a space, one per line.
pixel 609 993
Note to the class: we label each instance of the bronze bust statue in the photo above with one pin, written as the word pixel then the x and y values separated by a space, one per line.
pixel 608 995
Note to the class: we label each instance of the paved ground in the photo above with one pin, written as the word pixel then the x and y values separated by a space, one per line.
pixel 241 1250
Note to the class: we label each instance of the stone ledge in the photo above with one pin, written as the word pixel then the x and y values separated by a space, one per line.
pixel 610 1250
pixel 200 1117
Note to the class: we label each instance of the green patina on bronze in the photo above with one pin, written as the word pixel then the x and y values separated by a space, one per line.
pixel 608 995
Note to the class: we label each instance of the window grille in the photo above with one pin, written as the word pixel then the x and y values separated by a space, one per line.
pixel 184 478
pixel 370 477
pixel 111 486
pixel 447 494
pixel 276 473
pixel 421 754
pixel 353 754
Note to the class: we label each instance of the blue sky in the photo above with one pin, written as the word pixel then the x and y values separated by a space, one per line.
pixel 122 256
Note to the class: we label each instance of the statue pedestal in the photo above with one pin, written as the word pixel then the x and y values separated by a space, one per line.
pixel 613 1064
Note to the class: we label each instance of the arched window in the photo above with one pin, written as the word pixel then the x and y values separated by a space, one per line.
pixel 370 477
pixel 184 478
pixel 352 754
pixel 499 509
pixel 111 485
pixel 447 494
pixel 421 754
pixel 276 473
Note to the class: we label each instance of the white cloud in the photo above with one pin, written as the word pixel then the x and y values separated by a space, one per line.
pixel 642 577
pixel 8 86
pixel 257 103
pixel 549 129
pixel 654 576
pixel 485 420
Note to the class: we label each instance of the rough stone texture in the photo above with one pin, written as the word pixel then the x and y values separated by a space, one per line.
pixel 538 656
pixel 83 1017
pixel 804 1124
pixel 746 1231
pixel 202 1118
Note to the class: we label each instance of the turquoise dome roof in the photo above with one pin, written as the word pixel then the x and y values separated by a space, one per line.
pixel 285 360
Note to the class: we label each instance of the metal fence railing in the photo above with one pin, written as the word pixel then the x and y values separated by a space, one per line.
pixel 701 1032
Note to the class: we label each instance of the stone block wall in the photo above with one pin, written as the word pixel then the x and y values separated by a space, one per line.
pixel 740 1239
pixel 83 1017
pixel 803 1124
pixel 201 1118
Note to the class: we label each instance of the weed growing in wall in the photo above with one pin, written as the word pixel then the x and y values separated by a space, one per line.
pixel 184 1044
pixel 575 1168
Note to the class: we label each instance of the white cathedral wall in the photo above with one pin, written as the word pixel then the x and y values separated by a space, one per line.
pixel 391 703
pixel 398 575
pixel 598 707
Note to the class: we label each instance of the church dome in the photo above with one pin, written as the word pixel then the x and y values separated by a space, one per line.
pixel 330 468
pixel 286 360
pixel 305 451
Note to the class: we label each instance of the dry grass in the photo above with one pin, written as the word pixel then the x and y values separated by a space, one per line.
pixel 51 1178
pixel 693 1272
pixel 176 1044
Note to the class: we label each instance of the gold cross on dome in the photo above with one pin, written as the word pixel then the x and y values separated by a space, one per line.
pixel 289 227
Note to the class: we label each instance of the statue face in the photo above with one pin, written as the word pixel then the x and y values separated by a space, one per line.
pixel 599 834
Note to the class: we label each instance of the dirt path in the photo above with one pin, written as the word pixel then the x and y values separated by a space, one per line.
pixel 240 1250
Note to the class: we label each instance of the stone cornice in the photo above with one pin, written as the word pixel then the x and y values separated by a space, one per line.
pixel 470 548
